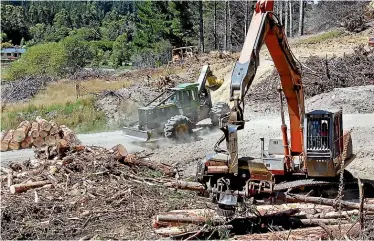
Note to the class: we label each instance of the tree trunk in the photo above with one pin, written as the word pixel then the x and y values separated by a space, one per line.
pixel 27 142
pixel 38 142
pixel 43 124
pixel 314 233
pixel 43 133
pixel 13 145
pixel 281 12
pixel 230 27
pixel 226 27
pixel 23 187
pixel 6 140
pixel 193 186
pixel 21 132
pixel 215 26
pixel 291 29
pixel 201 26
pixel 54 128
pixel 301 18
pixel 50 140
pixel 286 17
pixel 34 130
pixel 326 201
pixel 119 152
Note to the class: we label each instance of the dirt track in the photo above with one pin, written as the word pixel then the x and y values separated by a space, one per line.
pixel 264 125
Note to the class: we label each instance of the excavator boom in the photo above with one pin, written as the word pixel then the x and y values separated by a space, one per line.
pixel 265 28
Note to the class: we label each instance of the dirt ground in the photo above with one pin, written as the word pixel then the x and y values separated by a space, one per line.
pixel 263 121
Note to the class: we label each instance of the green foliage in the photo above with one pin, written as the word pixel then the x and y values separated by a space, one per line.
pixel 43 59
pixel 81 116
pixel 321 37
pixel 121 50
pixel 77 52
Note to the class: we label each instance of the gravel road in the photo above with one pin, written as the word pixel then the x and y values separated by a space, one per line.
pixel 105 139
pixel 267 126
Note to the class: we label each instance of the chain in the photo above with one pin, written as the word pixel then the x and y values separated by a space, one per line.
pixel 341 185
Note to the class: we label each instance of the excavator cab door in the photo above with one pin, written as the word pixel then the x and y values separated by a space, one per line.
pixel 323 141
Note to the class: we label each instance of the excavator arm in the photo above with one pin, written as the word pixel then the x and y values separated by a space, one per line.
pixel 266 28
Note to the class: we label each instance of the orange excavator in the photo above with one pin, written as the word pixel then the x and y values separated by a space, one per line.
pixel 316 152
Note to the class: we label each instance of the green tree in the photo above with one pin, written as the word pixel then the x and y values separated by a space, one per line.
pixel 121 50
pixel 41 59
pixel 77 52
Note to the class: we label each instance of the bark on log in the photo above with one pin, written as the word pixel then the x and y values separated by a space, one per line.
pixel 13 145
pixel 43 133
pixel 50 140
pixel 54 128
pixel 193 186
pixel 325 201
pixel 23 187
pixel 34 132
pixel 3 134
pixel 316 221
pixel 132 159
pixel 314 233
pixel 57 137
pixel 332 215
pixel 119 152
pixel 6 140
pixel 21 132
pixel 27 142
pixel 43 124
pixel 38 142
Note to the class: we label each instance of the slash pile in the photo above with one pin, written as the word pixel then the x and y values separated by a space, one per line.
pixel 37 134
pixel 86 192
pixel 322 75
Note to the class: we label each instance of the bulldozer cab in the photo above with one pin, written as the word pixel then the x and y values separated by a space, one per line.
pixel 182 53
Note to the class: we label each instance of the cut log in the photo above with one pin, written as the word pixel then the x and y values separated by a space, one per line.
pixel 119 152
pixel 333 214
pixel 3 134
pixel 132 159
pixel 43 133
pixel 38 142
pixel 31 173
pixel 6 140
pixel 43 124
pixel 325 201
pixel 69 135
pixel 54 128
pixel 50 140
pixel 23 187
pixel 13 145
pixel 314 233
pixel 57 137
pixel 21 132
pixel 34 132
pixel 27 142
pixel 62 147
pixel 193 186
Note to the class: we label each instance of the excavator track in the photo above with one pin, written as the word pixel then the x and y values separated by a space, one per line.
pixel 301 183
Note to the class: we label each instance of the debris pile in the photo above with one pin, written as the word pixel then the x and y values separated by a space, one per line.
pixel 23 89
pixel 302 218
pixel 38 133
pixel 87 192
pixel 168 81
pixel 323 75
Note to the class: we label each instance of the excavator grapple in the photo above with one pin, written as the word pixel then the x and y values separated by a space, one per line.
pixel 314 151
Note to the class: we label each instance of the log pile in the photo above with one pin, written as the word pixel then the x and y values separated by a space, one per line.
pixel 91 190
pixel 292 216
pixel 38 133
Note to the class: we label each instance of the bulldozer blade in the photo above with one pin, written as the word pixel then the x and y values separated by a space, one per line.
pixel 137 134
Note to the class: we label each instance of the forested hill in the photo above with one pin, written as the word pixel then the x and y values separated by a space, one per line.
pixel 117 33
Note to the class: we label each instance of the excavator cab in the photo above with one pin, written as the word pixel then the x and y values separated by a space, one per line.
pixel 325 142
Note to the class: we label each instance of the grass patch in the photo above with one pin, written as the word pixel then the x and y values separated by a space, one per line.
pixel 80 115
pixel 321 37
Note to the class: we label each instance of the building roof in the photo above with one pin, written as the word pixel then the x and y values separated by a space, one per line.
pixel 13 50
